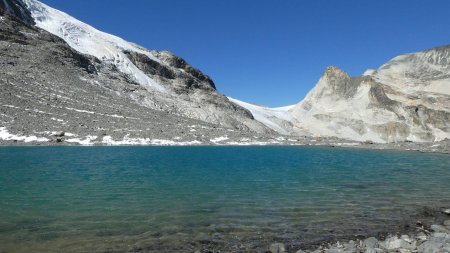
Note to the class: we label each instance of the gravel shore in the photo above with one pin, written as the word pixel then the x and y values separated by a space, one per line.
pixel 433 238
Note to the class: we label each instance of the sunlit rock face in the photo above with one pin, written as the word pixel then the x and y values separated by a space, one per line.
pixel 406 99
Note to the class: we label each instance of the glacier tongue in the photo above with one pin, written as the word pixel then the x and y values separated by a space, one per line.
pixel 278 119
pixel 88 40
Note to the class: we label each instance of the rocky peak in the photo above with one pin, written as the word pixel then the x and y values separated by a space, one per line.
pixel 340 82
pixel 17 9
pixel 334 73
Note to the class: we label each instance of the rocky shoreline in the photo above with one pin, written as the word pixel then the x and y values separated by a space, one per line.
pixel 423 238
pixel 233 139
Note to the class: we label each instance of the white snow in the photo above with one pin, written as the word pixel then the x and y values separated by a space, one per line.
pixel 88 40
pixel 108 140
pixel 268 116
pixel 116 116
pixel 11 106
pixel 78 110
pixel 87 141
pixel 369 72
pixel 219 139
pixel 5 135
pixel 55 119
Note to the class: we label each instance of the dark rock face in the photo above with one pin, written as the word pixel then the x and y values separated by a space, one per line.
pixel 194 76
pixel 149 66
pixel 172 71
pixel 378 97
pixel 17 9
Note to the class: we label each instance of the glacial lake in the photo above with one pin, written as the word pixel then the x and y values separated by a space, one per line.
pixel 182 199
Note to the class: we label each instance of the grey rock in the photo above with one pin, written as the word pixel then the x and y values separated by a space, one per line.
pixel 439 229
pixel 59 134
pixel 370 242
pixel 430 247
pixel 394 243
pixel 277 248
pixel 447 223
pixel 421 236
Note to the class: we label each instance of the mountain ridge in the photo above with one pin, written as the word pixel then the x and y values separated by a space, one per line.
pixel 405 99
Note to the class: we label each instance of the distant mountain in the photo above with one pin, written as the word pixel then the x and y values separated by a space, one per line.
pixel 65 81
pixel 406 99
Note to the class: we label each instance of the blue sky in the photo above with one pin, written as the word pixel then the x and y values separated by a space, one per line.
pixel 272 52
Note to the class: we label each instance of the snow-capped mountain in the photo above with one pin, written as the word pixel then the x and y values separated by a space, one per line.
pixel 172 84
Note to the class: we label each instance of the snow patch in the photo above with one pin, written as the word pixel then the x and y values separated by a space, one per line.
pixel 87 141
pixel 6 136
pixel 11 106
pixel 55 119
pixel 108 140
pixel 219 139
pixel 78 110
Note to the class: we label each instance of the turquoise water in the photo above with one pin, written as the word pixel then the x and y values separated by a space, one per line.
pixel 179 199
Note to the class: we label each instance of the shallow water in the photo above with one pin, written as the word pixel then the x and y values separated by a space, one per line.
pixel 118 199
